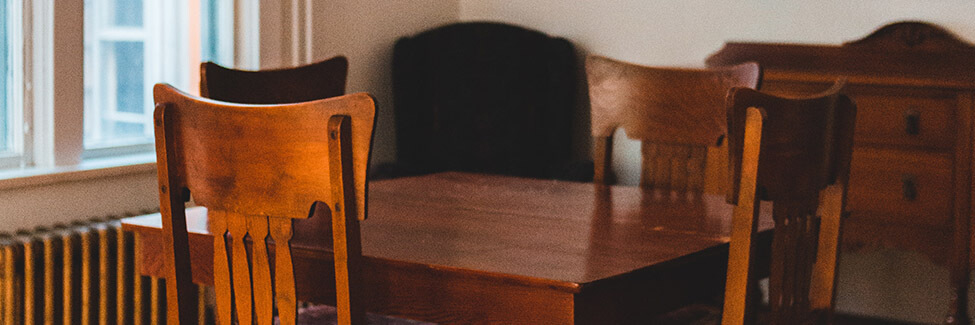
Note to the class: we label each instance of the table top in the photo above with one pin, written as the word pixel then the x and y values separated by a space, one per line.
pixel 557 233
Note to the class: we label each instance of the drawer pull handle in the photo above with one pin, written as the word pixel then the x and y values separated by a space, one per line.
pixel 909 187
pixel 912 122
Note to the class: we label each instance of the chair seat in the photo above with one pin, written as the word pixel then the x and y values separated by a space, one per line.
pixel 326 315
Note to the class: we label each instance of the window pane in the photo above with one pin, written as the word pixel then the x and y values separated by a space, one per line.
pixel 4 77
pixel 119 107
pixel 129 75
pixel 208 44
pixel 214 32
pixel 127 12
pixel 117 103
pixel 126 52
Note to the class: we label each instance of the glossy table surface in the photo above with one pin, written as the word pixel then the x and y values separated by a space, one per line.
pixel 507 249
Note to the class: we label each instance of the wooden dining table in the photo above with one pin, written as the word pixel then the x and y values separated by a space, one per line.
pixel 470 248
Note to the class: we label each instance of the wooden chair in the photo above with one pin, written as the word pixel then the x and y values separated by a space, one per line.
pixel 314 81
pixel 795 153
pixel 487 98
pixel 678 114
pixel 258 169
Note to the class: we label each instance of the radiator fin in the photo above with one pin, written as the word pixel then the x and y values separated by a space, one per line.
pixel 83 273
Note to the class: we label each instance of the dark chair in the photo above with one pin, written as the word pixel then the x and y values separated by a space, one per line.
pixel 484 97
pixel 314 81
pixel 795 153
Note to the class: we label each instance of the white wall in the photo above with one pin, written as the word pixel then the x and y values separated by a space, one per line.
pixel 365 31
pixel 683 33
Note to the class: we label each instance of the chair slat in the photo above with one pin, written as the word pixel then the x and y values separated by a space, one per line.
pixel 602 155
pixel 697 168
pixel 237 225
pixel 260 270
pixel 156 290
pixel 679 164
pixel 649 154
pixel 221 267
pixel 284 275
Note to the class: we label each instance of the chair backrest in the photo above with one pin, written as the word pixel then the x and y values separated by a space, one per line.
pixel 795 153
pixel 484 97
pixel 318 80
pixel 677 114
pixel 257 168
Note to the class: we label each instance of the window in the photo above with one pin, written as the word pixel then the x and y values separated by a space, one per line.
pixel 53 113
pixel 216 23
pixel 129 46
pixel 4 77
pixel 11 138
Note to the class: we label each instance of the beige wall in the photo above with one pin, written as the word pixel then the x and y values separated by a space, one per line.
pixel 365 31
pixel 684 33
pixel 65 201
pixel 892 284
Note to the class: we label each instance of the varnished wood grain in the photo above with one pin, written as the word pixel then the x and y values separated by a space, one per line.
pixel 314 81
pixel 741 274
pixel 257 228
pixel 174 226
pixel 903 70
pixel 795 152
pixel 207 182
pixel 284 279
pixel 462 248
pixel 901 49
pixel 221 268
pixel 346 240
pixel 676 113
pixel 240 269
pixel 251 162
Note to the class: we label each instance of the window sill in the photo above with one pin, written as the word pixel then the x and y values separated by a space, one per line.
pixel 88 169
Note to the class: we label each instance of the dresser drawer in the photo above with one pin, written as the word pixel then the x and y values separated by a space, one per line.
pixel 888 116
pixel 919 120
pixel 904 187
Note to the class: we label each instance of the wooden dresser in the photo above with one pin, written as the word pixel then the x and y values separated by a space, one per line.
pixel 911 183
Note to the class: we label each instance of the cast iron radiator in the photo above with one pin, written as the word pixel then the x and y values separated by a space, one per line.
pixel 83 273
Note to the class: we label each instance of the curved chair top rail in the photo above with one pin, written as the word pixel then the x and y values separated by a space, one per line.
pixel 806 141
pixel 314 81
pixel 270 160
pixel 681 106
